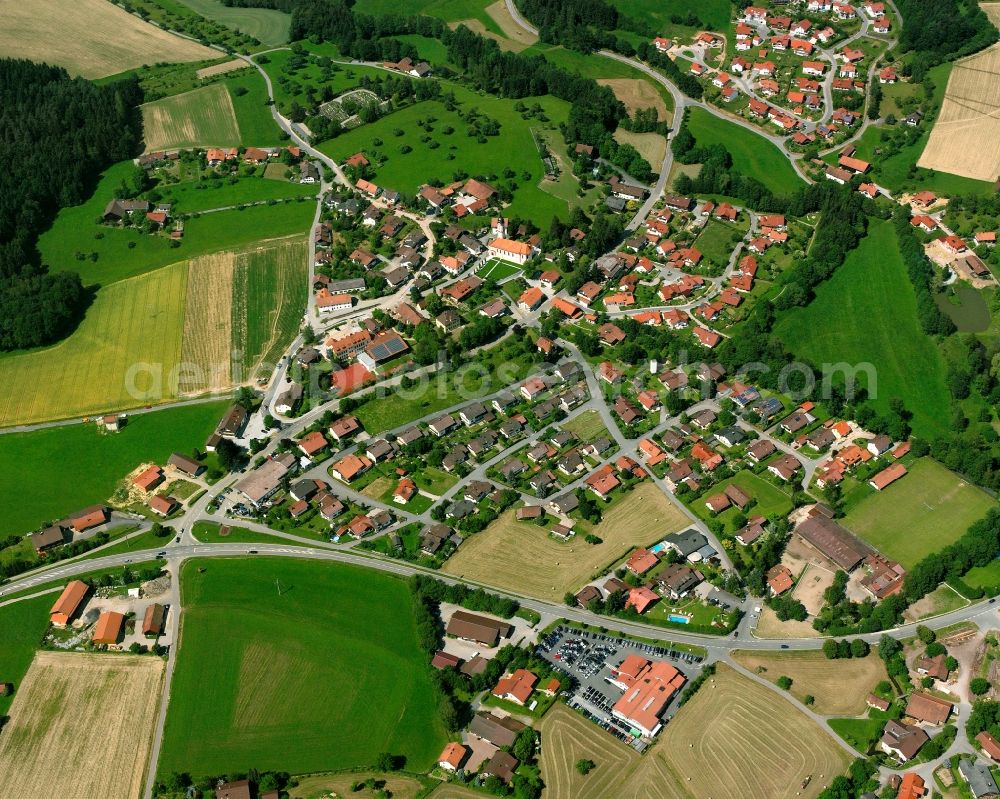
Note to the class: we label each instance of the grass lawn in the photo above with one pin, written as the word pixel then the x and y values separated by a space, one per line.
pixel 203 117
pixel 138 543
pixel 586 426
pixel 753 155
pixel 395 410
pixel 866 314
pixel 208 532
pixel 434 481
pixel 859 733
pixel 105 252
pixel 498 270
pixel 308 639
pixel 929 508
pixel 987 577
pixel 23 625
pixel 839 686
pixel 29 460
pixel 201 195
pixel 264 24
pixel 507 553
pixel 770 500
pixel 445 154
pixel 253 114
pixel 717 239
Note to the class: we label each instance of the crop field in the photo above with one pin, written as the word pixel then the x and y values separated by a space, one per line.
pixel 873 290
pixel 753 155
pixel 443 153
pixel 269 297
pixel 965 139
pixel 23 624
pixel 507 554
pixel 264 24
pixel 131 334
pixel 254 624
pixel 926 510
pixel 92 38
pixel 174 331
pixel 81 725
pixel 839 686
pixel 203 117
pixel 28 460
pixel 513 36
pixel 725 736
pixel 208 330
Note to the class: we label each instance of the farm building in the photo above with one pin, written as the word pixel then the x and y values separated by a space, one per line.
pixel 152 621
pixel 109 628
pixel 69 603
pixel 480 629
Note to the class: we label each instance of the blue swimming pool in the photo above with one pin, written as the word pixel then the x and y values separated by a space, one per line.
pixel 679 619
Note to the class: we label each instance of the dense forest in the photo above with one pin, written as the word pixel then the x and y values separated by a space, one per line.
pixel 58 134
pixel 944 29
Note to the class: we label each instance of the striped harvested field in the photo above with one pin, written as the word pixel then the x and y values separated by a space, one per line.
pixel 81 725
pixel 202 117
pixel 92 38
pixel 965 139
pixel 727 735
pixel 208 330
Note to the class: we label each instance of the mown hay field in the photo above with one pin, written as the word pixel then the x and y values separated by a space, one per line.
pixel 651 146
pixel 276 635
pixel 202 117
pixel 223 68
pixel 92 38
pixel 524 558
pixel 81 725
pixel 965 139
pixel 733 732
pixel 636 94
pixel 839 686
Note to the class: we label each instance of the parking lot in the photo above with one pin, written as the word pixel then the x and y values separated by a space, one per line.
pixel 588 658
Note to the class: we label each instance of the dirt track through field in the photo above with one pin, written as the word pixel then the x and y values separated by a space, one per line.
pixel 208 330
pixel 81 726
pixel 92 38
pixel 965 139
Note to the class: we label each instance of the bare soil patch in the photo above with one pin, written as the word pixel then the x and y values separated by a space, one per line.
pixel 81 725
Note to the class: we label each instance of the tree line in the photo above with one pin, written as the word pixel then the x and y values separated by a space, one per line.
pixel 59 134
